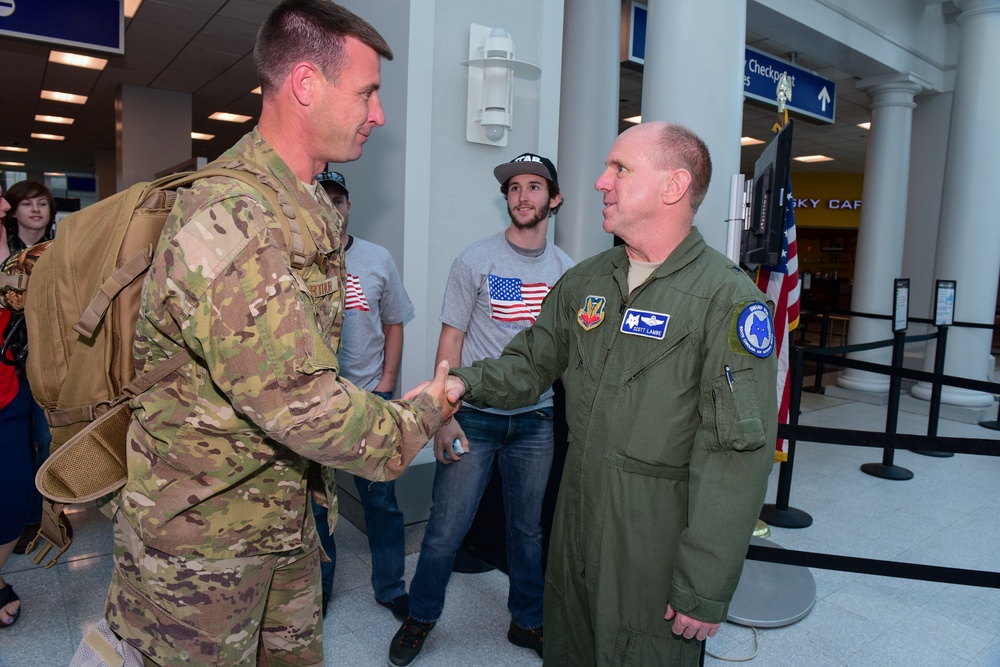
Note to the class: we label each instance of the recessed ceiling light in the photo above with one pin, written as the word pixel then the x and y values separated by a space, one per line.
pixel 813 158
pixel 53 137
pixel 131 7
pixel 750 141
pixel 63 97
pixel 257 91
pixel 865 126
pixel 77 60
pixel 55 173
pixel 202 136
pixel 229 117
pixel 635 120
pixel 59 120
pixel 14 149
pixel 11 164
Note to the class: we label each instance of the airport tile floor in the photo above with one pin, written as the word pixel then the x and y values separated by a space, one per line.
pixel 946 515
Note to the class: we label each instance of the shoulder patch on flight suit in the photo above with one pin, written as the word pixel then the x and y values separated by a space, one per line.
pixel 752 330
pixel 592 314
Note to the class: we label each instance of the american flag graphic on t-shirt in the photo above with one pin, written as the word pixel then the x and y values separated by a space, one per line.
pixel 354 296
pixel 511 300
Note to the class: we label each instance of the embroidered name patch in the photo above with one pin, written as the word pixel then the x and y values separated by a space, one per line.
pixel 756 330
pixel 644 323
pixel 322 288
pixel 592 313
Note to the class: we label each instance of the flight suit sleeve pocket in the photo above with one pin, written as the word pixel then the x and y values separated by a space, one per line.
pixel 734 411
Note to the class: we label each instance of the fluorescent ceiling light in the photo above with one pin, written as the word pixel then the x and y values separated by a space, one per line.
pixel 865 126
pixel 63 97
pixel 131 7
pixel 813 158
pixel 11 164
pixel 257 91
pixel 202 136
pixel 229 117
pixel 53 137
pixel 14 149
pixel 633 119
pixel 750 141
pixel 77 60
pixel 55 173
pixel 59 120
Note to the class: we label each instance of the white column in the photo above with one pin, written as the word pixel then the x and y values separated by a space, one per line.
pixel 694 76
pixel 883 222
pixel 588 121
pixel 152 132
pixel 968 244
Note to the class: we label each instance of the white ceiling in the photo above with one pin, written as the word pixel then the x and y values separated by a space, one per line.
pixel 204 47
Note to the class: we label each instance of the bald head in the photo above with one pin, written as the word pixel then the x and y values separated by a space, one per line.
pixel 673 146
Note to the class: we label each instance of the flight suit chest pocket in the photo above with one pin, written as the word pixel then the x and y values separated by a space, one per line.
pixel 734 412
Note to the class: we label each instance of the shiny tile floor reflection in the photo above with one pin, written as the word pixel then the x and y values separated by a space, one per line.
pixel 946 515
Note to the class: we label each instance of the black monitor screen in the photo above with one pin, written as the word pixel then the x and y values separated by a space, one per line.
pixel 761 243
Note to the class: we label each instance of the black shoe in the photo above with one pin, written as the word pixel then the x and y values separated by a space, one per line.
pixel 408 641
pixel 532 639
pixel 399 606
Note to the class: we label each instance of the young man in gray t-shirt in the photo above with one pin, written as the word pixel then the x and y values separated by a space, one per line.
pixel 495 289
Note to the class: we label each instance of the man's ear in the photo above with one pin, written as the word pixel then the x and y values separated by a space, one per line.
pixel 304 79
pixel 676 185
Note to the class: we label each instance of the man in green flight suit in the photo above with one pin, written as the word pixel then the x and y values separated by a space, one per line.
pixel 216 551
pixel 671 406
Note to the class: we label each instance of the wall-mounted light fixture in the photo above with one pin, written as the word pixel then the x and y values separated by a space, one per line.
pixel 492 69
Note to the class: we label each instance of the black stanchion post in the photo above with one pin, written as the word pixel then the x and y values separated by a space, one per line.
pixel 934 412
pixel 886 469
pixel 824 335
pixel 780 514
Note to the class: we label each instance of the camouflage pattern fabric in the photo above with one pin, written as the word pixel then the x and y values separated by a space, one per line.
pixel 219 455
pixel 199 619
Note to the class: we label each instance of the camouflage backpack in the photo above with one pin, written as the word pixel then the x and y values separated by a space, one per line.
pixel 80 293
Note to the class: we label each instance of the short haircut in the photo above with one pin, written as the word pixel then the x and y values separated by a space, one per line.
pixel 553 191
pixel 679 147
pixel 20 191
pixel 312 31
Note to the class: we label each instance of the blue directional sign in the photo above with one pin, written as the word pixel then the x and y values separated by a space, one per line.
pixel 98 25
pixel 812 95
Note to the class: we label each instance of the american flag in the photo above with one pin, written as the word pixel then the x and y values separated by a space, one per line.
pixel 511 300
pixel 781 284
pixel 354 296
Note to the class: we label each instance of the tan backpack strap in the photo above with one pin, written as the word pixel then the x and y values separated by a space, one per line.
pixel 302 248
pixel 53 532
pixel 119 280
pixel 147 380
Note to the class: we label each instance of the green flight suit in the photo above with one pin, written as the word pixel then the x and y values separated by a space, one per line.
pixel 670 445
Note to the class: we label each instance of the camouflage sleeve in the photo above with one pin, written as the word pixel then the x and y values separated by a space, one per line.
pixel 259 332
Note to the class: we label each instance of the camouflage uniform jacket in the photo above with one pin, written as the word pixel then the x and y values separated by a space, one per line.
pixel 219 453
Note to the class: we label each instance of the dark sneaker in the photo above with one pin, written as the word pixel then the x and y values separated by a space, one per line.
pixel 399 606
pixel 532 639
pixel 408 641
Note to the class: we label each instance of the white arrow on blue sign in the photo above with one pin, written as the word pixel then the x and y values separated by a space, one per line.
pixel 812 95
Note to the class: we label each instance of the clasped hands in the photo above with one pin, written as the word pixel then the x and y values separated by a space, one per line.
pixel 444 389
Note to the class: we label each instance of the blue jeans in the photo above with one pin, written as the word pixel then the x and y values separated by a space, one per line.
pixel 523 444
pixel 384 521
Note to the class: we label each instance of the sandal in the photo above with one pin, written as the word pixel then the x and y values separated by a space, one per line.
pixel 7 595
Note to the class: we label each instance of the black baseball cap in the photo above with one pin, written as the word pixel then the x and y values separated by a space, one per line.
pixel 334 177
pixel 527 163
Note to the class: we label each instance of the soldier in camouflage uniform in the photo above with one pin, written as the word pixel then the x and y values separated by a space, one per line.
pixel 216 552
